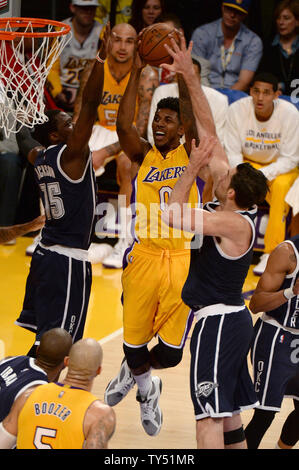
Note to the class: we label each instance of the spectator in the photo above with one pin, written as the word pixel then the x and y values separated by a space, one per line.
pixel 64 77
pixel 233 50
pixel 264 131
pixel 115 11
pixel 104 142
pixel 281 56
pixel 62 415
pixel 145 13
pixel 217 101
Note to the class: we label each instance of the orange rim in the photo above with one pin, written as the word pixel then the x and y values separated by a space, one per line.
pixel 36 23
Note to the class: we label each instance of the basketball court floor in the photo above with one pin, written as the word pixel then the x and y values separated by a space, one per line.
pixel 104 323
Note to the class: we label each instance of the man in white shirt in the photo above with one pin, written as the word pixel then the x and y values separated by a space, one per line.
pixel 263 130
pixel 217 101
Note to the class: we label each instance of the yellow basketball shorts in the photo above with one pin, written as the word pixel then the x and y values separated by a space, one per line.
pixel 152 283
pixel 278 189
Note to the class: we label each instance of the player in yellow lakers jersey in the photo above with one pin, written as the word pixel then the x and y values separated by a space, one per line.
pixel 156 265
pixel 62 415
pixel 104 142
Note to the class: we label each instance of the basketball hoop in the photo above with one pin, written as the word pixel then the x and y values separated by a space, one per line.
pixel 26 58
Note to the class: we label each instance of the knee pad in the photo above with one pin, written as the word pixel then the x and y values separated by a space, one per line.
pixel 167 356
pixel 136 357
pixel 233 437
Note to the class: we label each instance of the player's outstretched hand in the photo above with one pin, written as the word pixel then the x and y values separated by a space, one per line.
pixel 201 155
pixel 182 61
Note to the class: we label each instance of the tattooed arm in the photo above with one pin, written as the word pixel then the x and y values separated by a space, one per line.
pixel 99 426
pixel 149 81
pixel 9 233
pixel 99 156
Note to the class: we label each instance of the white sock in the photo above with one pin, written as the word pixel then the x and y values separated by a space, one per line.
pixel 144 382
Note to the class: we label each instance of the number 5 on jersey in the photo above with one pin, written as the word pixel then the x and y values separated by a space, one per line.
pixel 40 433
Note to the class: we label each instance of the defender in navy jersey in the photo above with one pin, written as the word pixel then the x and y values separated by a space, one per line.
pixel 220 383
pixel 274 351
pixel 59 281
pixel 21 372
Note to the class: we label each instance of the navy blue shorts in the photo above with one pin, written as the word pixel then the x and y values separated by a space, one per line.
pixel 220 382
pixel 57 294
pixel 274 362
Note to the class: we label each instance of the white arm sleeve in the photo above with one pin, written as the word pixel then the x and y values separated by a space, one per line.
pixel 232 138
pixel 7 440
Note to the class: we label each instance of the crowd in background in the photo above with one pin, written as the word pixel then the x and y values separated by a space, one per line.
pixel 233 41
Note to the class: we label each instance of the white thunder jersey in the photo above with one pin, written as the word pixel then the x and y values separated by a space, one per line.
pixel 262 142
pixel 75 55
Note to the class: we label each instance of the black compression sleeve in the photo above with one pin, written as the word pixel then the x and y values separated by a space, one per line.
pixel 25 141
pixel 290 431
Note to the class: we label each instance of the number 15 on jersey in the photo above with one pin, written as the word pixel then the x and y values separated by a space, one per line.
pixel 53 204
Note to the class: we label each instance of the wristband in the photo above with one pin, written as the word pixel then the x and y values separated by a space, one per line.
pixel 102 61
pixel 7 440
pixel 288 293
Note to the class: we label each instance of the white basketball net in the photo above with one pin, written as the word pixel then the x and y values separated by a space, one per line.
pixel 24 67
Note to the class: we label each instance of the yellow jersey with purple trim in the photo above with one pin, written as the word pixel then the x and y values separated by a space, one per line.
pixel 151 190
pixel 52 418
pixel 112 94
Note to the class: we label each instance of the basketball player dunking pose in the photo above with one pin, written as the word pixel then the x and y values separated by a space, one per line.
pixel 156 265
pixel 59 281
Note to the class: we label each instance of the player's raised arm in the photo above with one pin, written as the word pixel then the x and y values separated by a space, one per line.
pixel 131 143
pixel 182 65
pixel 77 143
pixel 28 146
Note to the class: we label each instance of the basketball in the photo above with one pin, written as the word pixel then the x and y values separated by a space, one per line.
pixel 151 48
